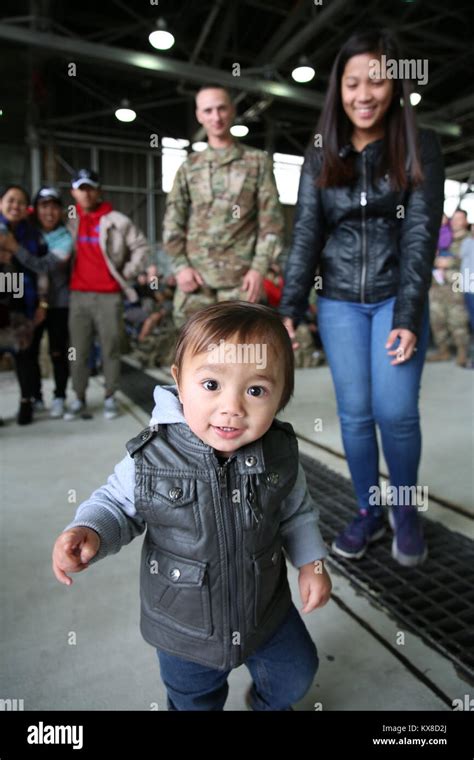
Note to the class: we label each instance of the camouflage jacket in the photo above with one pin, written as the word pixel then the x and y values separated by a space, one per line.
pixel 223 216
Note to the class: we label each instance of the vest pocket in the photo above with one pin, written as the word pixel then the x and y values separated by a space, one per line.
pixel 178 590
pixel 268 569
pixel 171 505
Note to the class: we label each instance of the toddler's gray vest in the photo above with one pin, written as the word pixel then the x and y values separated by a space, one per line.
pixel 213 580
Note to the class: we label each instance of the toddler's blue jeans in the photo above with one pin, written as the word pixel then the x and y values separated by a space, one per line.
pixel 282 670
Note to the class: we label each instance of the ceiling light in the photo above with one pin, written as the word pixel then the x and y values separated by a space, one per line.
pixel 199 146
pixel 239 130
pixel 415 98
pixel 161 39
pixel 303 74
pixel 125 113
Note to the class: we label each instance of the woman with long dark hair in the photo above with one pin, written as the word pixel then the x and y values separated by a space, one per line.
pixel 369 208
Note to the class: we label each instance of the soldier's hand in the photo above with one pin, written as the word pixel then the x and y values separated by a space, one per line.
pixel 189 280
pixel 252 283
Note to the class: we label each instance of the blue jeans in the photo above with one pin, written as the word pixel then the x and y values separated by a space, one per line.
pixel 469 301
pixel 370 391
pixel 282 670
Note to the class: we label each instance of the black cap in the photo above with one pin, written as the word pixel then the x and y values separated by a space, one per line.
pixel 85 177
pixel 47 193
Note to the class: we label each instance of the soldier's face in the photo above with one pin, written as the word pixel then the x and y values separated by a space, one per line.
pixel 215 112
pixel 230 395
pixel 459 221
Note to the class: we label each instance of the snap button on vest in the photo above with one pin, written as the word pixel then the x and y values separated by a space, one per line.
pixel 175 574
pixel 145 436
pixel 250 461
pixel 273 478
pixel 175 493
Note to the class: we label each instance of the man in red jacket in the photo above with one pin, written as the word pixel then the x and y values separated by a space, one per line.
pixel 109 251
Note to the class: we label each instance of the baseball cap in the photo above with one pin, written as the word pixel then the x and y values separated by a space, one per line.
pixel 85 177
pixel 47 193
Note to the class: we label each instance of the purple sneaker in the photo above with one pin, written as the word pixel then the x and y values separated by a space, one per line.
pixel 352 543
pixel 408 545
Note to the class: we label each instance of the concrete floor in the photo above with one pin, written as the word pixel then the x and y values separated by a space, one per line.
pixel 80 648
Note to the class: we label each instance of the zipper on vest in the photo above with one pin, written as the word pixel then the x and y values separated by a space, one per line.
pixel 229 523
pixel 252 510
pixel 363 204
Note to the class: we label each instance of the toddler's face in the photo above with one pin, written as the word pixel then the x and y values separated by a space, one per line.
pixel 227 400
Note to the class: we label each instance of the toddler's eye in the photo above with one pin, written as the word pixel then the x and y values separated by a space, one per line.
pixel 210 385
pixel 256 391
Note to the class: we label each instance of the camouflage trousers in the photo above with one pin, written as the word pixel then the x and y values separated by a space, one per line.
pixel 306 354
pixel 448 317
pixel 157 349
pixel 185 304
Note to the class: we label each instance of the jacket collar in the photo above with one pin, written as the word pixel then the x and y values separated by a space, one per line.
pixel 249 459
pixel 222 157
pixel 370 148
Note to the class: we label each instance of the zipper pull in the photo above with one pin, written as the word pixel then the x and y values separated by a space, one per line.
pixel 363 198
pixel 252 501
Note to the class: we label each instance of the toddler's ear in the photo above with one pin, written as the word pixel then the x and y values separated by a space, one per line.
pixel 174 372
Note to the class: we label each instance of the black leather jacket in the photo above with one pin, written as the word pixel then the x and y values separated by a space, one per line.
pixel 366 241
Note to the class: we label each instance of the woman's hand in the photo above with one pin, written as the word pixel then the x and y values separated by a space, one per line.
pixel 290 328
pixel 8 243
pixel 39 316
pixel 406 347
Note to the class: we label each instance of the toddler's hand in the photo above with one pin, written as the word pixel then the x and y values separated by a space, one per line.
pixel 315 586
pixel 73 551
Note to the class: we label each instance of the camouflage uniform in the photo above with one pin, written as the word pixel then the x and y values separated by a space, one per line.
pixel 448 315
pixel 222 218
pixel 158 348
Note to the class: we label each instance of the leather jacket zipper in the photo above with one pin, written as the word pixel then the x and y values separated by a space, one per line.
pixel 363 204
pixel 229 522
pixel 252 508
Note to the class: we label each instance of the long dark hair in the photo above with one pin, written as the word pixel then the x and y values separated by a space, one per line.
pixel 400 149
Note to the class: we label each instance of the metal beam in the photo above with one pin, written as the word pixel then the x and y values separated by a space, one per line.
pixel 286 27
pixel 453 109
pixel 213 13
pixel 460 171
pixel 322 19
pixel 156 65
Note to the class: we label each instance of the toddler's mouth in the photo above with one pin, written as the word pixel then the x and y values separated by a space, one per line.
pixel 227 432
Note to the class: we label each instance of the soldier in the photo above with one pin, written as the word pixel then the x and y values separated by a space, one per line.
pixel 223 223
pixel 448 315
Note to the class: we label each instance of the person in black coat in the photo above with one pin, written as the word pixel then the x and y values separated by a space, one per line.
pixel 366 224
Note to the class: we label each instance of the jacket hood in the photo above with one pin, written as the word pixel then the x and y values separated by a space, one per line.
pixel 103 208
pixel 168 408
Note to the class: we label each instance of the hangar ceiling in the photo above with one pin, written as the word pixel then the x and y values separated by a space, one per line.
pixel 108 43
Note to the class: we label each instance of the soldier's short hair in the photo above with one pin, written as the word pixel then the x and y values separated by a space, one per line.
pixel 214 86
pixel 248 323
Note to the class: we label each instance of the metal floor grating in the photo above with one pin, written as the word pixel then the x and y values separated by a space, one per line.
pixel 434 601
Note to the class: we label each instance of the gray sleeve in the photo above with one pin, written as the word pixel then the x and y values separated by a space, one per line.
pixel 299 527
pixel 110 511
pixel 39 264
